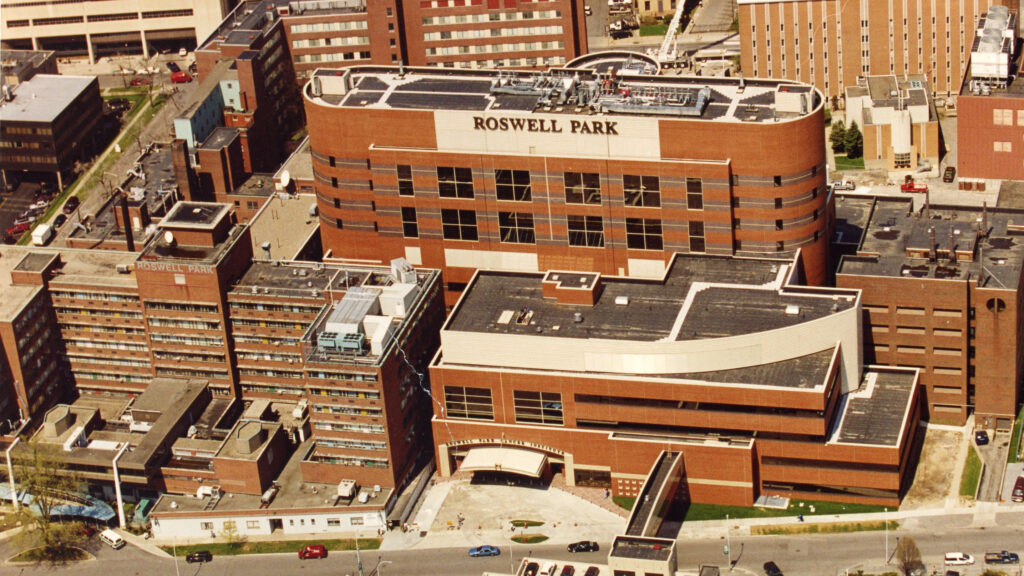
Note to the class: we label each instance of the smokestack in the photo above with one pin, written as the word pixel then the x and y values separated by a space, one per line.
pixel 927 205
pixel 984 219
pixel 129 236
pixel 931 245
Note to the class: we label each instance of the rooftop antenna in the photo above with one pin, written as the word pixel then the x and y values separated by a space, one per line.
pixel 931 244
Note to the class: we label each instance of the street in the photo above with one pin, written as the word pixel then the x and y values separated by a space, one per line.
pixel 803 555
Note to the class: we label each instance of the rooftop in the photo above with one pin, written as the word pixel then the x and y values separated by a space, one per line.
pixel 219 138
pixel 17 61
pixel 43 98
pixel 711 297
pixel 294 494
pixel 571 92
pixel 640 548
pixel 284 222
pixel 298 166
pixel 241 24
pixel 900 242
pixel 876 413
pixel 321 7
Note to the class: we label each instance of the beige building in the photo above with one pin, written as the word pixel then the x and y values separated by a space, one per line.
pixel 830 43
pixel 108 27
pixel 899 123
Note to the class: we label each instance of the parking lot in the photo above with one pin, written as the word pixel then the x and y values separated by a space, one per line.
pixel 15 204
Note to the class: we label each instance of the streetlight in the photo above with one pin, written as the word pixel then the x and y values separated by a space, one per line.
pixel 728 541
pixel 10 472
pixel 886 536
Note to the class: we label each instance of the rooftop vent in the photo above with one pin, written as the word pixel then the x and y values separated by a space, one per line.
pixel 622 300
pixel 792 310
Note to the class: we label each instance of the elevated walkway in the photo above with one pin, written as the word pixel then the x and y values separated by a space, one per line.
pixel 656 497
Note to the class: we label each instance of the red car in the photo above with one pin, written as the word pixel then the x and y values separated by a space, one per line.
pixel 180 77
pixel 313 551
pixel 140 81
pixel 18 229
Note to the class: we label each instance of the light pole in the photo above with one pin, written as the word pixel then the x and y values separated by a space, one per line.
pixel 886 536
pixel 728 541
pixel 10 472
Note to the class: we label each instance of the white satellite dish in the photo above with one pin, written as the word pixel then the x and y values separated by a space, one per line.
pixel 286 177
pixel 169 237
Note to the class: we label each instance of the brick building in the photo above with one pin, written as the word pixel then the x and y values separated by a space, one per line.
pixel 829 43
pixel 930 303
pixel 463 170
pixel 755 380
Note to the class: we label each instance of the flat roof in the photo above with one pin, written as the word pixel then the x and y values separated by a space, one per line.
pixel 232 445
pixel 714 297
pixel 284 221
pixel 43 97
pixel 219 138
pixel 640 548
pixel 897 240
pixel 294 494
pixel 298 166
pixel 16 61
pixel 196 215
pixel 567 91
pixel 875 413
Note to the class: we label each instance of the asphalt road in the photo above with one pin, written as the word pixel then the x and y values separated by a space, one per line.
pixel 805 555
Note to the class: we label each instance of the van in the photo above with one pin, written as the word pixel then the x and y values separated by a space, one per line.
pixel 1018 490
pixel 958 559
pixel 112 539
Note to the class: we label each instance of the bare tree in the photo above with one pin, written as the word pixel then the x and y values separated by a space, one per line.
pixel 40 471
pixel 908 557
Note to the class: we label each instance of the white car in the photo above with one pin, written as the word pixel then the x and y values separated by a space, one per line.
pixel 959 559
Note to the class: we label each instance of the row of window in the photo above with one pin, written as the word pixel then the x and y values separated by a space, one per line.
pixel 496 49
pixel 492 33
pixel 580 187
pixel 320 42
pixel 529 407
pixel 491 17
pixel 328 27
pixel 501 62
pixel 332 57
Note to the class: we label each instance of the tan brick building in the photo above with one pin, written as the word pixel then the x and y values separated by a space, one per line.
pixel 829 43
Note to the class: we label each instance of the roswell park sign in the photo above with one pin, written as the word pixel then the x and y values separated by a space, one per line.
pixel 549 125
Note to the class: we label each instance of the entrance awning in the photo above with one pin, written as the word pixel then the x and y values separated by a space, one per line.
pixel 514 460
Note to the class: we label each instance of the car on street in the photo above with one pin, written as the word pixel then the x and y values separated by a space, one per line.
pixel 981 437
pixel 949 174
pixel 1002 557
pixel 584 546
pixel 59 220
pixel 485 550
pixel 199 556
pixel 180 77
pixel 71 205
pixel 140 81
pixel 619 34
pixel 958 559
pixel 771 569
pixel 312 551
pixel 173 67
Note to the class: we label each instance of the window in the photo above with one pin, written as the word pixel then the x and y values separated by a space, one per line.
pixel 467 402
pixel 405 180
pixel 356 520
pixel 585 231
pixel 204 526
pixel 694 194
pixel 454 182
pixel 641 190
pixel 458 224
pixel 252 524
pixel 643 234
pixel 516 227
pixel 409 227
pixel 230 526
pixel 538 407
pixel 513 185
pixel 696 236
pixel 332 522
pixel 582 188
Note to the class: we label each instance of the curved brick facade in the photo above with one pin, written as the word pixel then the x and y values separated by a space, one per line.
pixel 725 185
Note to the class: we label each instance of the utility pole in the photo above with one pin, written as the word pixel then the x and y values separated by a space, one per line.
pixel 886 536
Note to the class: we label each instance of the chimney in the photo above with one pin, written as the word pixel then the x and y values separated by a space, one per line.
pixel 931 245
pixel 927 205
pixel 129 235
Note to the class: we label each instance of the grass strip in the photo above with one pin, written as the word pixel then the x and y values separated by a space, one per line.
pixel 271 546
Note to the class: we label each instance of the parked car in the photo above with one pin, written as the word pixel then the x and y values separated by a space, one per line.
pixel 981 437
pixel 140 81
pixel 567 571
pixel 199 556
pixel 39 204
pixel 592 571
pixel 587 10
pixel 772 569
pixel 313 551
pixel 71 205
pixel 180 77
pixel 619 34
pixel 173 67
pixel 24 220
pixel 8 239
pixel 1018 486
pixel 1002 557
pixel 584 546
pixel 844 185
pixel 485 550
pixel 958 559
pixel 531 569
pixel 59 220
pixel 949 174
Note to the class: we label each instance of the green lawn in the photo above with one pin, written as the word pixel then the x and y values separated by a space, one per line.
pixel 653 29
pixel 624 501
pixel 59 555
pixel 1015 438
pixel 272 547
pixel 824 528
pixel 844 163
pixel 972 474
pixel 698 512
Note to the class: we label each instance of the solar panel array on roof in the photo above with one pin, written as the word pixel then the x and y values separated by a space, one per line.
pixel 512 102
pixel 426 101
pixel 362 98
pixel 437 85
pixel 371 83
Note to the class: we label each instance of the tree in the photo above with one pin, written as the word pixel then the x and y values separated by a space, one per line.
pixel 853 141
pixel 908 557
pixel 40 471
pixel 838 136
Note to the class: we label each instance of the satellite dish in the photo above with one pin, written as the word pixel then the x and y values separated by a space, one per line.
pixel 286 177
pixel 169 237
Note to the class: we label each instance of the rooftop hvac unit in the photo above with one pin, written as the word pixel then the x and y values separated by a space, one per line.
pixel 351 342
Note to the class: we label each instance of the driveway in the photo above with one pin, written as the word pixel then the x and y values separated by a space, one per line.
pixel 994 456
